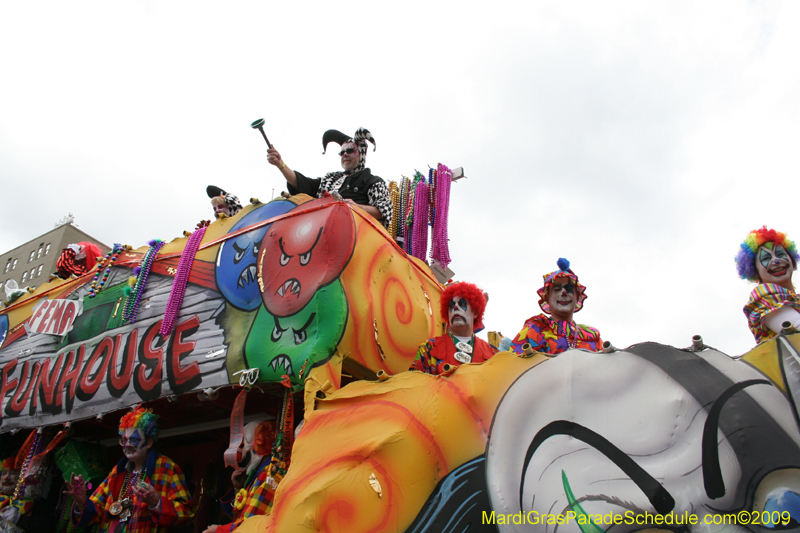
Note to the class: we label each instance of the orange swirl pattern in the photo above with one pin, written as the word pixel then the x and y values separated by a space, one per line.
pixel 409 431
pixel 385 291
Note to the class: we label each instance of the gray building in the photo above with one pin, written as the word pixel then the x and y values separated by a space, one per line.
pixel 31 264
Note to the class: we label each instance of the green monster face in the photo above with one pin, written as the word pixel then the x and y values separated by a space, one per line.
pixel 295 344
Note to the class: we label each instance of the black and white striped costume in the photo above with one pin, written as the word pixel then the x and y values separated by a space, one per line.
pixel 360 185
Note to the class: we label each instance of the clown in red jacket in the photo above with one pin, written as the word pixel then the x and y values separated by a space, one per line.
pixel 462 305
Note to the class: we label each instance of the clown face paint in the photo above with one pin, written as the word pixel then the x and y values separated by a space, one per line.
pixel 460 316
pixel 774 265
pixel 562 298
pixel 8 481
pixel 135 446
pixel 282 345
pixel 303 253
pixel 236 260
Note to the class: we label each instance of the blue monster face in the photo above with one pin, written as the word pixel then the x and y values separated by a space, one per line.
pixel 236 270
pixel 3 329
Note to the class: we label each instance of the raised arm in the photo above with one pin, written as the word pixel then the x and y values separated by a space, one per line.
pixel 274 158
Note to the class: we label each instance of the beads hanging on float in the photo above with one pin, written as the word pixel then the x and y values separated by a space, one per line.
pixel 408 225
pixel 137 283
pixel 104 268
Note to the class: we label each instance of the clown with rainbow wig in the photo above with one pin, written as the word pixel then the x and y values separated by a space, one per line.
pixel 462 307
pixel 769 258
pixel 146 491
pixel 560 297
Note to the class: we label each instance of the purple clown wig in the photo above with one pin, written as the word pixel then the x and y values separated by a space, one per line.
pixel 746 258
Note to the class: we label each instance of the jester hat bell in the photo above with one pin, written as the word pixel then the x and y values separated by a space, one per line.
pixel 563 272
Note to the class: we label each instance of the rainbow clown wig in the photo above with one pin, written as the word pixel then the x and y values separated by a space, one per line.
pixel 472 294
pixel 9 463
pixel 746 258
pixel 142 419
pixel 565 272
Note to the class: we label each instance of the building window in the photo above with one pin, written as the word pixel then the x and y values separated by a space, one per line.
pixel 14 265
pixel 1 285
pixel 24 276
pixel 47 248
pixel 8 266
pixel 33 271
pixel 39 272
pixel 31 258
pixel 40 251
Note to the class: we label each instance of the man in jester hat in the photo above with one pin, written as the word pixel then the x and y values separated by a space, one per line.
pixel 12 508
pixel 560 297
pixel 146 491
pixel 462 306
pixel 254 482
pixel 769 258
pixel 356 185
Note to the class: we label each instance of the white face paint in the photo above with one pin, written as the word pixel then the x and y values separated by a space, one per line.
pixel 774 265
pixel 134 445
pixel 461 317
pixel 350 161
pixel 562 297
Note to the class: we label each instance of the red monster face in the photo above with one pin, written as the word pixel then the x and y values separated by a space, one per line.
pixel 303 253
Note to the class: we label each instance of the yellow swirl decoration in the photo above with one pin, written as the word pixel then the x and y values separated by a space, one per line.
pixel 385 292
pixel 409 431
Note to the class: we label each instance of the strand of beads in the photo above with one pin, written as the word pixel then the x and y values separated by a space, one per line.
pixel 23 472
pixel 431 196
pixel 401 211
pixel 104 268
pixel 420 236
pixel 181 280
pixel 440 249
pixel 394 196
pixel 135 294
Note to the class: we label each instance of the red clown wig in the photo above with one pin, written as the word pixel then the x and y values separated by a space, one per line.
pixel 472 294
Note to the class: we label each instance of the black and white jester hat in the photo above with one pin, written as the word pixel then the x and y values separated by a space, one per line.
pixel 360 138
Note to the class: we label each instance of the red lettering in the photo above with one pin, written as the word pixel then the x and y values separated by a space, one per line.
pixel 183 379
pixel 149 387
pixel 118 382
pixel 20 397
pixel 55 317
pixel 8 385
pixel 91 381
pixel 42 328
pixel 70 376
pixel 68 318
pixel 38 313
pixel 51 402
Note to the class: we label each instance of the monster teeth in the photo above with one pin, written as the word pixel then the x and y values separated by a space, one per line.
pixel 280 291
pixel 252 272
pixel 295 287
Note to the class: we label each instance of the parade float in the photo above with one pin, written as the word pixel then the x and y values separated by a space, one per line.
pixel 307 310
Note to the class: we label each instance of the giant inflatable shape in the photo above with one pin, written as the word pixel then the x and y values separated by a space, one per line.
pixel 582 443
pixel 352 294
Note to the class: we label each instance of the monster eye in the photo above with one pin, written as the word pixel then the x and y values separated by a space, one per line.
pixel 305 258
pixel 284 256
pixel 300 335
pixel 239 253
pixel 277 331
pixel 777 500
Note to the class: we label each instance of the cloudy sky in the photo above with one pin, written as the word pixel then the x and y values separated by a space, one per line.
pixel 641 140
